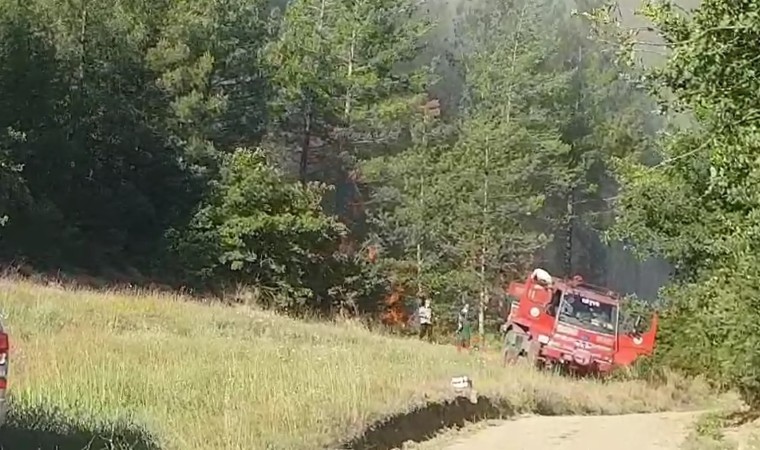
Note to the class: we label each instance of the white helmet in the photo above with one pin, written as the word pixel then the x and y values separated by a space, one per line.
pixel 542 277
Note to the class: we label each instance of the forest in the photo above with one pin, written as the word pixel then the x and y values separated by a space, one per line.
pixel 330 154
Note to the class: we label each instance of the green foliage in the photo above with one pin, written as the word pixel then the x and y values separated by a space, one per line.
pixel 478 176
pixel 711 324
pixel 258 228
pixel 120 122
pixel 603 115
pixel 698 206
pixel 538 128
pixel 340 88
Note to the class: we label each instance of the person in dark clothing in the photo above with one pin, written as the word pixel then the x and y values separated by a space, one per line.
pixel 464 331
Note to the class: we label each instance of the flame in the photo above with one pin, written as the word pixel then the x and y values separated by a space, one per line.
pixel 372 254
pixel 345 246
pixel 395 313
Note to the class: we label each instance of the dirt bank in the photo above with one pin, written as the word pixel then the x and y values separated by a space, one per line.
pixel 426 421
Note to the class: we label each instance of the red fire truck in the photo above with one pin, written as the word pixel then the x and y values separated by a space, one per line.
pixel 573 324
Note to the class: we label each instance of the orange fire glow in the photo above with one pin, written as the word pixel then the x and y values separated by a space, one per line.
pixel 395 313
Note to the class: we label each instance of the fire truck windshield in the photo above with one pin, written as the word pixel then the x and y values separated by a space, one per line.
pixel 587 313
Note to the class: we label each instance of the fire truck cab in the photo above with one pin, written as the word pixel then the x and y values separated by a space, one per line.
pixel 570 323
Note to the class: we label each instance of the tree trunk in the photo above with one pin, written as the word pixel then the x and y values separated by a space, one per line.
pixel 569 223
pixel 484 251
pixel 419 239
pixel 303 167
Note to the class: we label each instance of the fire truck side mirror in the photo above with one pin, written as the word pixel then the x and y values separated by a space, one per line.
pixel 639 325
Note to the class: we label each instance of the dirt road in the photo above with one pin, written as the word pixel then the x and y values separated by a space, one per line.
pixel 662 431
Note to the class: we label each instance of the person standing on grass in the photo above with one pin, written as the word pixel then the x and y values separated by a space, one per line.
pixel 425 315
pixel 464 332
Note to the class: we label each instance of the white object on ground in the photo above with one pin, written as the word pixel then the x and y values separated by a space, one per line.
pixel 463 382
pixel 463 387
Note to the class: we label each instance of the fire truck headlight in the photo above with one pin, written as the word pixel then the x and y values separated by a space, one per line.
pixel 638 340
pixel 535 312
pixel 542 338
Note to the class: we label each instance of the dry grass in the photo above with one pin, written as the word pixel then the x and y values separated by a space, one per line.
pixel 745 437
pixel 722 431
pixel 212 377
pixel 708 433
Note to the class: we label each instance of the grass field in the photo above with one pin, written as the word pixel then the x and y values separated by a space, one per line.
pixel 212 377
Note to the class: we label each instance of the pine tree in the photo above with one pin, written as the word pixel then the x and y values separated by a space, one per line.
pixel 494 178
pixel 338 78
pixel 603 115
pixel 509 130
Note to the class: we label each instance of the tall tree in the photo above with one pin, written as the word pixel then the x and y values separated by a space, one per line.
pixel 338 70
pixel 122 108
pixel 493 180
pixel 603 114
pixel 509 144
pixel 82 157
pixel 697 206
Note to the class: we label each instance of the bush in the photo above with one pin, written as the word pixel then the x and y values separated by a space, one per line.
pixel 258 228
pixel 712 327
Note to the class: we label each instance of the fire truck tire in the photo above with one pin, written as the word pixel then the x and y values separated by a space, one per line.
pixel 532 353
pixel 513 344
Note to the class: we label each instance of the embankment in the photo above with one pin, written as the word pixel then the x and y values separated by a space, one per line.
pixel 194 376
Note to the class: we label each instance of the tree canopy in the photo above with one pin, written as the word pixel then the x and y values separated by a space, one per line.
pixel 333 154
pixel 694 201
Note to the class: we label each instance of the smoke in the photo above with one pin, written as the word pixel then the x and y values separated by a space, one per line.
pixel 609 265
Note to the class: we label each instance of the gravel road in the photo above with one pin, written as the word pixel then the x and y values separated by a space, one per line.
pixel 661 431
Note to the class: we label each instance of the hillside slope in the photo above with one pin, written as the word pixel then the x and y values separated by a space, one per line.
pixel 197 376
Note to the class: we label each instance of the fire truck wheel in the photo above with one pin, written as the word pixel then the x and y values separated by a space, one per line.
pixel 510 356
pixel 510 353
pixel 513 342
pixel 532 354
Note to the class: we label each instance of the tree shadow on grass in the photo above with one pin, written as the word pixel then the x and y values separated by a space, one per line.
pixel 739 418
pixel 43 430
